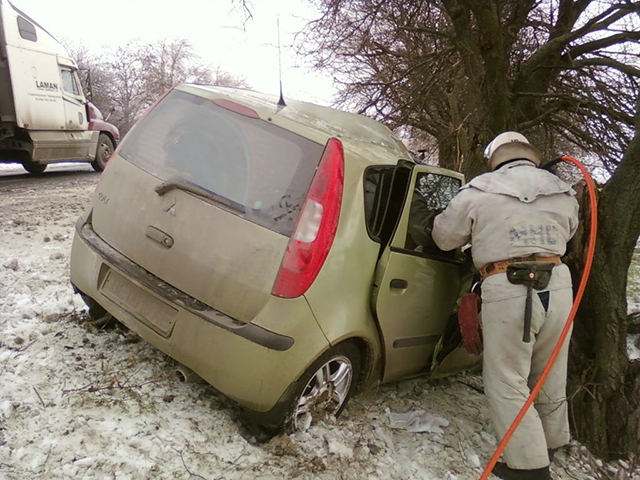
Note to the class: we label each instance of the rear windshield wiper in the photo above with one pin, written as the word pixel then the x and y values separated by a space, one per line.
pixel 186 186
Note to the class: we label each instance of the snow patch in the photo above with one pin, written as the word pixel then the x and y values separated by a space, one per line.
pixel 86 401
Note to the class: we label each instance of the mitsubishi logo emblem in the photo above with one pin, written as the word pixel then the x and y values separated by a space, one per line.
pixel 171 209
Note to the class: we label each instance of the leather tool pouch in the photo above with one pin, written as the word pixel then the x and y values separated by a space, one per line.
pixel 532 275
pixel 536 274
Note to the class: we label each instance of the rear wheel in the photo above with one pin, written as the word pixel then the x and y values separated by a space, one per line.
pixel 103 152
pixel 96 311
pixel 33 167
pixel 98 316
pixel 325 388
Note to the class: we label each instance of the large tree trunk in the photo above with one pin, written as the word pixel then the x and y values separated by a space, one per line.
pixel 600 387
pixel 601 384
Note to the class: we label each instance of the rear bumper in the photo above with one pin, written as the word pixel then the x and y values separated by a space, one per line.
pixel 130 270
pixel 251 363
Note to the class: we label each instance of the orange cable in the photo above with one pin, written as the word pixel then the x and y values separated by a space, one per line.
pixel 567 326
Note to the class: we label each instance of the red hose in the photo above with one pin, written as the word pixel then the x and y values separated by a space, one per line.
pixel 567 326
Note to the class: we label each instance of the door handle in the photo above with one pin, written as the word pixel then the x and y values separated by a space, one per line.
pixel 399 283
pixel 159 236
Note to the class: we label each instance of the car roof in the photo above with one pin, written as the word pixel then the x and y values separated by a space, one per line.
pixel 315 121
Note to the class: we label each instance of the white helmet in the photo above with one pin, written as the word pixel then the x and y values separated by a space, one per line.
pixel 511 146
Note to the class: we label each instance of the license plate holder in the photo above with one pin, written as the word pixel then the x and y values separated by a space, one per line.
pixel 148 309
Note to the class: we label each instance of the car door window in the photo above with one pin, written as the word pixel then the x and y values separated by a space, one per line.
pixel 431 194
pixel 377 190
pixel 384 195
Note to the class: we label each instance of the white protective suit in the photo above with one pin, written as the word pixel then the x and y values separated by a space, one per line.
pixel 514 211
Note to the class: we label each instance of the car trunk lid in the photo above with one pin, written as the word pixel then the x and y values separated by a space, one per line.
pixel 204 195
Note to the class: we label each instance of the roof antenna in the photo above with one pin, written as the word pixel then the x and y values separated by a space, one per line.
pixel 281 102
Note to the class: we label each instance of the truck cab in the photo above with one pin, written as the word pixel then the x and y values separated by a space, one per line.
pixel 44 114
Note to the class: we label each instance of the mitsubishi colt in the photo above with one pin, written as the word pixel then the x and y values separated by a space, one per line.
pixel 278 251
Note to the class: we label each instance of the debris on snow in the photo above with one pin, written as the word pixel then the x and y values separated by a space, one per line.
pixel 12 264
pixel 418 421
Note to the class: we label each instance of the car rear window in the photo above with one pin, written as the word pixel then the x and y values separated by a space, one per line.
pixel 263 168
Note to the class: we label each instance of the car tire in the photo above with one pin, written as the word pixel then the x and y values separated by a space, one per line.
pixel 95 310
pixel 103 152
pixel 325 387
pixel 33 167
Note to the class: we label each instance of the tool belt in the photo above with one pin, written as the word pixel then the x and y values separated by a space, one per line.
pixel 500 266
pixel 532 275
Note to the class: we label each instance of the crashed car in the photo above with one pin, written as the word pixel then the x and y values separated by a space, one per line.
pixel 275 250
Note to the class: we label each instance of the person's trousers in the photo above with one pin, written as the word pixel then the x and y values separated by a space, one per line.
pixel 511 368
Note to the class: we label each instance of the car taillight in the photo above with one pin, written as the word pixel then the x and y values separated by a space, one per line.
pixel 315 227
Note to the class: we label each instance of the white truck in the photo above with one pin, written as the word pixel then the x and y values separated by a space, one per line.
pixel 44 114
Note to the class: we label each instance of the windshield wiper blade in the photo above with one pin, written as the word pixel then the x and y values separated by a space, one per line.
pixel 186 186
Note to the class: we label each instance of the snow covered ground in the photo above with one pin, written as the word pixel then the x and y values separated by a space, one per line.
pixel 83 401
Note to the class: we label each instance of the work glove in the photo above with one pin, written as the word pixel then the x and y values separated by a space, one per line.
pixel 468 322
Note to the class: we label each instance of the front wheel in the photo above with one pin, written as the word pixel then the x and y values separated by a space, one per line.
pixel 103 152
pixel 325 388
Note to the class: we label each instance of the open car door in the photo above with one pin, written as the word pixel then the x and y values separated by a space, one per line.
pixel 416 284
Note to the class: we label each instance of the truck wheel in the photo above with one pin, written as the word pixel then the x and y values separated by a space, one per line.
pixel 33 167
pixel 325 388
pixel 103 152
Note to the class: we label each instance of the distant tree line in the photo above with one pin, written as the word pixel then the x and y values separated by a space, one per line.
pixel 129 78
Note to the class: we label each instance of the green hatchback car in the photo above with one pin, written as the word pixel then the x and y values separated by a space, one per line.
pixel 278 251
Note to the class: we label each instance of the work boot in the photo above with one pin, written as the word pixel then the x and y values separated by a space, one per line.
pixel 501 470
pixel 552 453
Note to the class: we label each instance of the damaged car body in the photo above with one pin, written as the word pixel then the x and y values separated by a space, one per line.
pixel 272 249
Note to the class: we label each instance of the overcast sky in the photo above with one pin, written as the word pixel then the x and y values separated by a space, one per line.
pixel 214 27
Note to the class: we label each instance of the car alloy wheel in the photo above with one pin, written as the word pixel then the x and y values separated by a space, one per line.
pixel 329 383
